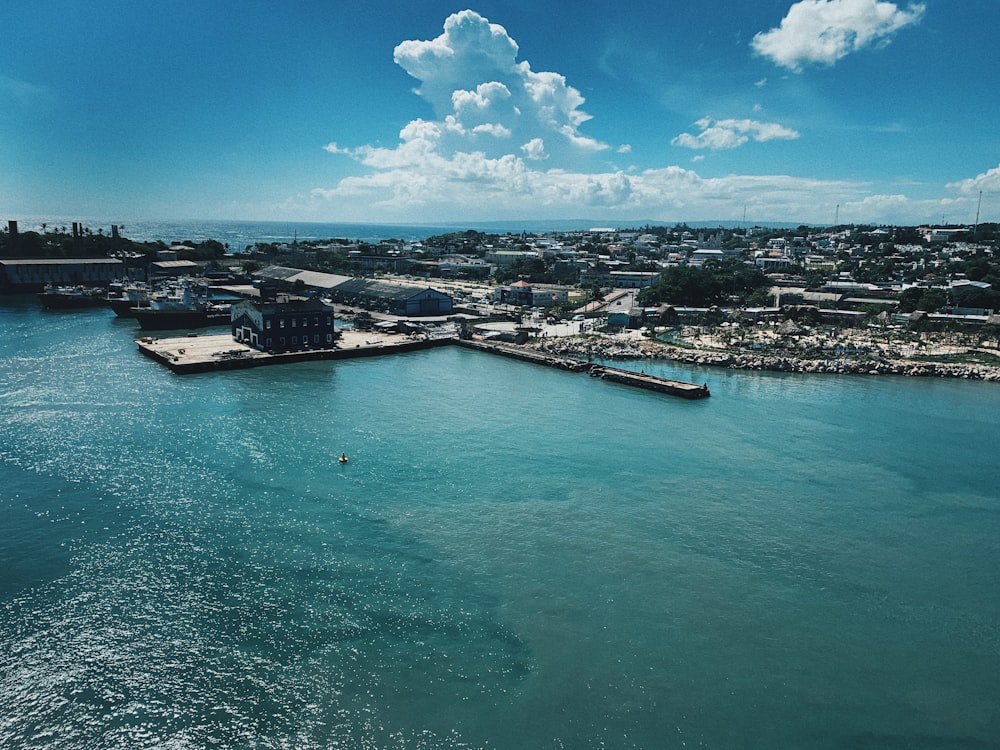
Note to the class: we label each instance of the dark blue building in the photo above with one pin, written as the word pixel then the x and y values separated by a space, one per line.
pixel 284 323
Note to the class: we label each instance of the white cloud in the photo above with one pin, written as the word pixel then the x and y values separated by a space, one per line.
pixel 824 31
pixel 471 76
pixel 535 149
pixel 472 187
pixel 507 143
pixel 727 134
pixel 987 182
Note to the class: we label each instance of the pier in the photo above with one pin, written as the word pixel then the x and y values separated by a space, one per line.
pixel 192 354
pixel 604 372
pixel 525 355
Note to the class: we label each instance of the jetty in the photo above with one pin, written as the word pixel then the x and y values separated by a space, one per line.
pixel 525 355
pixel 604 372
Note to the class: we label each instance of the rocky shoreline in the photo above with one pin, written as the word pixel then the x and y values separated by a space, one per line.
pixel 736 360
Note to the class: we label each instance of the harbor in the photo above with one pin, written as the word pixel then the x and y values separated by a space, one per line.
pixel 168 527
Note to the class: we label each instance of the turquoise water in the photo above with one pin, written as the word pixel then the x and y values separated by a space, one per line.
pixel 514 557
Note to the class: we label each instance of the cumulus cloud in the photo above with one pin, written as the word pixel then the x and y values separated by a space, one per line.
pixel 535 149
pixel 987 182
pixel 506 142
pixel 472 78
pixel 824 31
pixel 494 116
pixel 718 135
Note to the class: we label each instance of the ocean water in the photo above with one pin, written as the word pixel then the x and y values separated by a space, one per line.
pixel 239 234
pixel 514 557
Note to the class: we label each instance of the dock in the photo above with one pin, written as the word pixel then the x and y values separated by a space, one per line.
pixel 193 354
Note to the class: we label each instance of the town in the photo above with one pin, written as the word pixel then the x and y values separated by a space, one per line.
pixel 851 298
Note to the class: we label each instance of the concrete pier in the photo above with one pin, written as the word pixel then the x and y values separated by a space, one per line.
pixel 191 354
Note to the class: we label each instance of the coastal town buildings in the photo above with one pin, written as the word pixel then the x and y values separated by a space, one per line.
pixel 939 270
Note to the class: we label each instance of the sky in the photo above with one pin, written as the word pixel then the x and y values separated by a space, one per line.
pixel 393 111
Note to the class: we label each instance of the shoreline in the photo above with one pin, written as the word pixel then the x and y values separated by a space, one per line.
pixel 741 360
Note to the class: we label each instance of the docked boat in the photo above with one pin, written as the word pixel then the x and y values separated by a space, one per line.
pixel 72 297
pixel 183 305
pixel 151 319
pixel 125 297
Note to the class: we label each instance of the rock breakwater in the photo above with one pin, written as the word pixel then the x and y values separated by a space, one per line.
pixel 736 360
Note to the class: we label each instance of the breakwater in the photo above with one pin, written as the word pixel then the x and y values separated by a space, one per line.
pixel 611 374
pixel 769 362
pixel 526 354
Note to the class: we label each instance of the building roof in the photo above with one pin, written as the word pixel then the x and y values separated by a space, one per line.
pixel 174 264
pixel 382 289
pixel 313 279
pixel 55 261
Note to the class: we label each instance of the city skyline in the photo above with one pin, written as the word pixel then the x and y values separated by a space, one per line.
pixel 816 111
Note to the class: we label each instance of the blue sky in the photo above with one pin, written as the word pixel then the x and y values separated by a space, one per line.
pixel 864 111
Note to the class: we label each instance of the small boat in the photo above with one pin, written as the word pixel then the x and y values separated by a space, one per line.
pixel 343 458
pixel 125 297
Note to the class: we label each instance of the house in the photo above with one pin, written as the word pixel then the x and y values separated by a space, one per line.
pixel 699 256
pixel 518 293
pixel 283 323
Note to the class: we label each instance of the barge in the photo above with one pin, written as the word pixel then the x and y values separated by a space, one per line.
pixel 650 382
